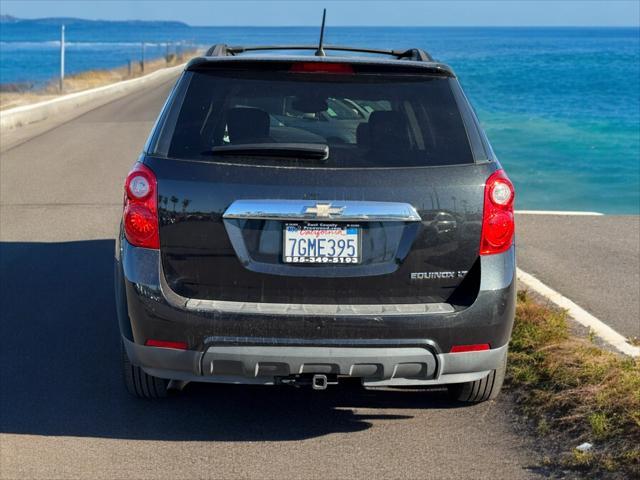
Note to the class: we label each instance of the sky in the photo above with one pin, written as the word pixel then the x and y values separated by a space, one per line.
pixel 345 12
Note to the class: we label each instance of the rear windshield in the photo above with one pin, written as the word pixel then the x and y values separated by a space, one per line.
pixel 364 120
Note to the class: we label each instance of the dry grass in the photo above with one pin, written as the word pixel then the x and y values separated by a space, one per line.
pixel 86 80
pixel 576 392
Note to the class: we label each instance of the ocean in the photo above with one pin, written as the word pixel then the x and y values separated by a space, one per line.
pixel 561 106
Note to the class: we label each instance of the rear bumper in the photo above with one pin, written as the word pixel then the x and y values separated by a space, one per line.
pixel 235 343
pixel 375 366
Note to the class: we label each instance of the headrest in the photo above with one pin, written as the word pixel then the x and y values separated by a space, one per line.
pixel 246 124
pixel 362 135
pixel 388 129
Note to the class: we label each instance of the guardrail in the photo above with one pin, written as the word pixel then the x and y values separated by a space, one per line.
pixel 81 102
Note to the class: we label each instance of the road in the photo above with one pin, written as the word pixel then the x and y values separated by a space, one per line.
pixel 63 410
pixel 593 260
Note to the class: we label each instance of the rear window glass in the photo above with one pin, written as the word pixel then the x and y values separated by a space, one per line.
pixel 364 120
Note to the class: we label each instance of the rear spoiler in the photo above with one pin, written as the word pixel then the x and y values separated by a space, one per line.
pixel 359 65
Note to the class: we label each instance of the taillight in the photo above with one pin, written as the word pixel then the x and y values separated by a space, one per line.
pixel 497 219
pixel 321 67
pixel 140 215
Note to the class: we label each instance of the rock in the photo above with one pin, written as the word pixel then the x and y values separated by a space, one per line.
pixel 584 447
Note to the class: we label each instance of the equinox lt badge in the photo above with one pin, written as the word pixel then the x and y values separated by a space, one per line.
pixel 437 275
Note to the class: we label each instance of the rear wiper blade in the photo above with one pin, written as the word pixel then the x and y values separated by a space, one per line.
pixel 313 151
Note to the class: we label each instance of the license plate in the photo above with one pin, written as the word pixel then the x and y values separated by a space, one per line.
pixel 321 243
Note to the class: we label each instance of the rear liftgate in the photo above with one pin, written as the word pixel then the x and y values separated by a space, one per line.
pixel 323 238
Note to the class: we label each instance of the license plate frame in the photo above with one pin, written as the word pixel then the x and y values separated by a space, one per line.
pixel 327 231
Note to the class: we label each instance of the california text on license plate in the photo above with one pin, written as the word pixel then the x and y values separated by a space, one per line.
pixel 321 243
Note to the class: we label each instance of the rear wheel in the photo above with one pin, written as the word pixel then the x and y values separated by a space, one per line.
pixel 141 384
pixel 481 390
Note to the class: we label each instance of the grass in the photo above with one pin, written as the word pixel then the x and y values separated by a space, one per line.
pixel 575 392
pixel 85 80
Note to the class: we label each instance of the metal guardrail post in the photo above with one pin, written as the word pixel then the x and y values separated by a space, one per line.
pixel 62 58
pixel 142 58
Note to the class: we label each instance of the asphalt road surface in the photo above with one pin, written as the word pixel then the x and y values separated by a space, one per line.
pixel 64 412
pixel 593 260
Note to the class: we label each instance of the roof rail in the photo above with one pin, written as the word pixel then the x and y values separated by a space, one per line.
pixel 415 54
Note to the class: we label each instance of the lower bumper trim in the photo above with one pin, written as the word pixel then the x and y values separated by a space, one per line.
pixel 269 361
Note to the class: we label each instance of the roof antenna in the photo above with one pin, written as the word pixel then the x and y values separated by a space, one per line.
pixel 320 50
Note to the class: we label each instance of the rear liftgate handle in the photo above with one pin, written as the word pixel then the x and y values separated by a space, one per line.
pixel 348 210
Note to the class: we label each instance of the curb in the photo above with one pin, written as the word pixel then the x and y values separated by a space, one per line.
pixel 580 315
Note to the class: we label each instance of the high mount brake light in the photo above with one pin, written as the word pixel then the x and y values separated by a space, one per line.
pixel 321 67
pixel 140 216
pixel 498 223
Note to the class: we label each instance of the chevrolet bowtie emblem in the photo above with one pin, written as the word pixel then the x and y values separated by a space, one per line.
pixel 324 210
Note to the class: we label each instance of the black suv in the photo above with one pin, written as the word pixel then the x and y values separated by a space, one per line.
pixel 299 219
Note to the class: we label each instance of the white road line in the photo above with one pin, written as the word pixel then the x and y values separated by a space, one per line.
pixel 580 315
pixel 557 212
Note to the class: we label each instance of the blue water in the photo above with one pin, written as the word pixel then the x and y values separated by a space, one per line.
pixel 561 106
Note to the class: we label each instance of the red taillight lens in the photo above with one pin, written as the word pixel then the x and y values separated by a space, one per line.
pixel 476 347
pixel 140 215
pixel 321 67
pixel 498 223
pixel 166 344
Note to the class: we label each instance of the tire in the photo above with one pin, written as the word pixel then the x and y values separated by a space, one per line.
pixel 139 383
pixel 481 390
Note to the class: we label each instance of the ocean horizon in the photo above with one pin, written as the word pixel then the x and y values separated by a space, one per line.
pixel 561 106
